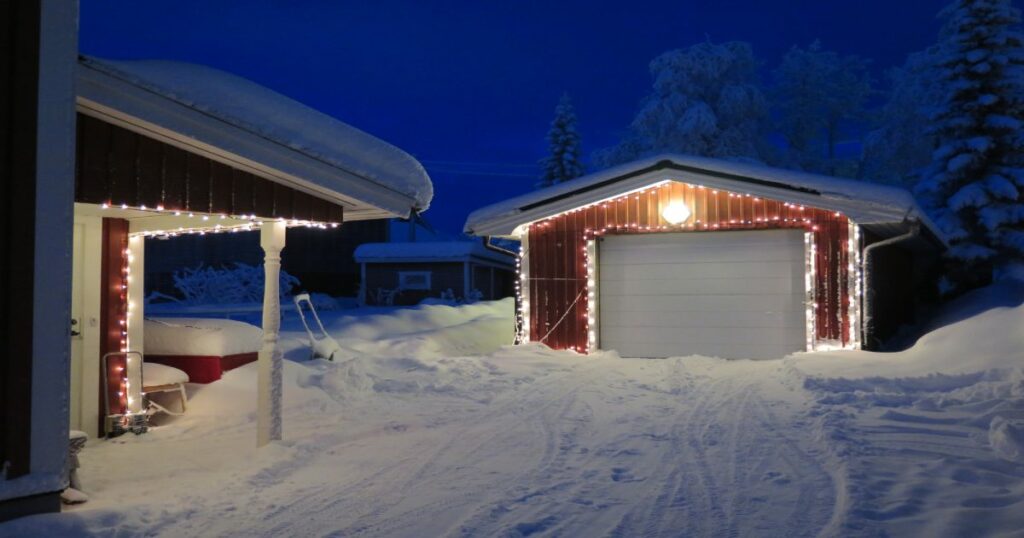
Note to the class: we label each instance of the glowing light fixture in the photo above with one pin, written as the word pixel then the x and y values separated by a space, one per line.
pixel 675 213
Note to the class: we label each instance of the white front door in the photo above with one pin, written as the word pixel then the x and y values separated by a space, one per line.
pixel 730 294
pixel 84 325
pixel 77 324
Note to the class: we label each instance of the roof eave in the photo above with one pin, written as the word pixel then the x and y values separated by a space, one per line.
pixel 153 115
pixel 508 224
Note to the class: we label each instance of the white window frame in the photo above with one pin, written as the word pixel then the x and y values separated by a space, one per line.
pixel 404 275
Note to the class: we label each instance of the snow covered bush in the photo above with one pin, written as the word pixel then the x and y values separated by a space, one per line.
pixel 449 298
pixel 385 296
pixel 473 296
pixel 973 185
pixel 240 283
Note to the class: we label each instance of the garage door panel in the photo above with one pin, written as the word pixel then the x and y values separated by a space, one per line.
pixel 700 239
pixel 705 319
pixel 727 350
pixel 751 253
pixel 645 271
pixel 702 303
pixel 684 287
pixel 729 294
pixel 690 337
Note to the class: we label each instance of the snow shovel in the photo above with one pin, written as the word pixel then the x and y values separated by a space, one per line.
pixel 322 346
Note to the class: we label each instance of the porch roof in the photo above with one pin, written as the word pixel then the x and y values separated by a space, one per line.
pixel 251 128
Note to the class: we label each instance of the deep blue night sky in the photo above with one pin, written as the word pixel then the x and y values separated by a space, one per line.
pixel 469 87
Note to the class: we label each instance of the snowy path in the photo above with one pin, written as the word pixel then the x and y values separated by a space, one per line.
pixel 599 447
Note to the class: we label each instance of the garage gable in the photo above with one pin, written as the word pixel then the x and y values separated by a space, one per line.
pixel 565 266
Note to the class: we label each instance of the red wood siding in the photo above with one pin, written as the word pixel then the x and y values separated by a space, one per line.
pixel 116 166
pixel 557 272
pixel 114 311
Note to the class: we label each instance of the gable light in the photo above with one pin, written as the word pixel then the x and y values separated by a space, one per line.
pixel 675 213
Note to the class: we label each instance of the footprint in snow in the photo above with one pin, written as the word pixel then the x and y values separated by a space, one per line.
pixel 622 474
pixel 775 477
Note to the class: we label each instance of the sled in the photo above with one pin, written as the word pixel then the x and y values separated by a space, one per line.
pixel 321 345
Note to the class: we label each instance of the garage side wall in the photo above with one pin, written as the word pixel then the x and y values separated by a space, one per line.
pixel 557 245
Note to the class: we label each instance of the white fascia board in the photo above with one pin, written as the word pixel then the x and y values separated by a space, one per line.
pixel 153 115
pixel 506 225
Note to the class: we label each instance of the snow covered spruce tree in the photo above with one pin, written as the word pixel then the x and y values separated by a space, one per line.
pixel 819 94
pixel 705 101
pixel 563 163
pixel 974 183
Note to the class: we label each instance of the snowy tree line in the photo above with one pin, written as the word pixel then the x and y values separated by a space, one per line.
pixel 709 99
pixel 948 125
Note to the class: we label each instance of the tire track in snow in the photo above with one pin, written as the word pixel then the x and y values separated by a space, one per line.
pixel 668 448
pixel 435 467
pixel 687 478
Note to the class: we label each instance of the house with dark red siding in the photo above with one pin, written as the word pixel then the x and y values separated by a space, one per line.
pixel 678 255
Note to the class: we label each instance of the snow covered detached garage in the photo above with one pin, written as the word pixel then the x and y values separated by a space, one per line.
pixel 677 255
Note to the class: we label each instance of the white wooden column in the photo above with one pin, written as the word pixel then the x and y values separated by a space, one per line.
pixel 268 409
pixel 135 319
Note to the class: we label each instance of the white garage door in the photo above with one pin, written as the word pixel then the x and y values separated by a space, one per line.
pixel 735 294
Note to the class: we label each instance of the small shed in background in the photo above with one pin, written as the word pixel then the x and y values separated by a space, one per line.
pixel 407 273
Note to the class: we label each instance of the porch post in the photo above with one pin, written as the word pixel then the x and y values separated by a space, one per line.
pixel 268 409
pixel 135 318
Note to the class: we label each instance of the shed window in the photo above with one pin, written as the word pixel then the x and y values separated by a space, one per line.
pixel 414 280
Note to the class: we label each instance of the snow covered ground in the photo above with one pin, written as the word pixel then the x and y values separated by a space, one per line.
pixel 437 427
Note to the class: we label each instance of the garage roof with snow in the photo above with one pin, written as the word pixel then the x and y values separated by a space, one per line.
pixel 880 208
pixel 248 126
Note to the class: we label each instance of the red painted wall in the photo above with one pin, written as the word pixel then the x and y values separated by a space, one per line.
pixel 114 310
pixel 557 259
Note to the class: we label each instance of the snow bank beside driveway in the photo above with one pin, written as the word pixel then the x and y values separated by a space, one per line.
pixel 931 439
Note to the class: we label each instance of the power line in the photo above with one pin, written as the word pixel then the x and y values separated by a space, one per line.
pixel 472 163
pixel 480 172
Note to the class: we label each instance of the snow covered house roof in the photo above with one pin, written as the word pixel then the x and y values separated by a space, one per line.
pixel 881 208
pixel 429 251
pixel 248 126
